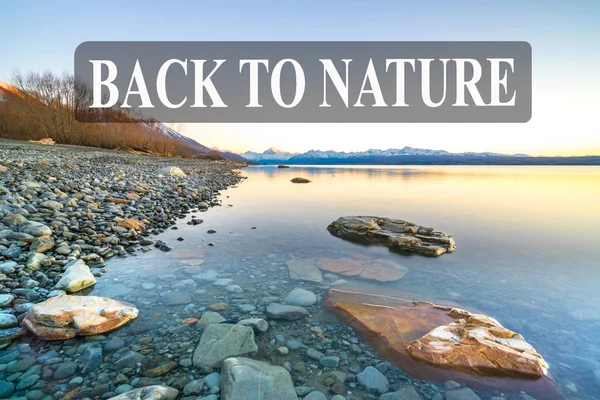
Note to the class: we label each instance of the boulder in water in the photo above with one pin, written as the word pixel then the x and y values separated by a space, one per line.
pixel 63 317
pixel 396 234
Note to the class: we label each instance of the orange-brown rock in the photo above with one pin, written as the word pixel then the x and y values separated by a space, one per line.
pixel 189 321
pixel 133 196
pixel 116 200
pixel 478 344
pixel 3 168
pixel 392 324
pixel 64 317
pixel 378 270
pixel 218 306
pixel 132 223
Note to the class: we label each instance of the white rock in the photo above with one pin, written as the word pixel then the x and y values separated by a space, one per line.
pixel 171 171
pixel 76 277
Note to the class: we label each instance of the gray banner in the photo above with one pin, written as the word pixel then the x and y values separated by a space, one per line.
pixel 304 81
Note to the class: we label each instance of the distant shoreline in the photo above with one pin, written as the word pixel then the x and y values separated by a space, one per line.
pixel 445 160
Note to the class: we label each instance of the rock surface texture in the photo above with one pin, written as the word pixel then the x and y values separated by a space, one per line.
pixel 378 270
pixel 396 234
pixel 478 344
pixel 153 392
pixel 440 343
pixel 219 342
pixel 64 317
pixel 77 276
pixel 246 379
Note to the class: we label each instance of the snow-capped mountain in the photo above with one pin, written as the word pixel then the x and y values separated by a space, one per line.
pixel 271 154
pixel 371 156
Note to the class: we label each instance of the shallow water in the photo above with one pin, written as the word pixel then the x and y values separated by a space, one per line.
pixel 526 241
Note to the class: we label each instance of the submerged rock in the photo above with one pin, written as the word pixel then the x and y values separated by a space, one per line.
pixel 154 392
pixel 378 270
pixel 219 342
pixel 301 297
pixel 396 234
pixel 282 311
pixel 246 379
pixel 304 270
pixel 439 343
pixel 63 317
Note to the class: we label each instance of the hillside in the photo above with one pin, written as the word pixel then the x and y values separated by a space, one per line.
pixel 36 113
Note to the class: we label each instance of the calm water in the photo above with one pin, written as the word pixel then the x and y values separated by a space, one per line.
pixel 527 242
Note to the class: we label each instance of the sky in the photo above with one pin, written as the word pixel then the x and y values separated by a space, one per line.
pixel 39 36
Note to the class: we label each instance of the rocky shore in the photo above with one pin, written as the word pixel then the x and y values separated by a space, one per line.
pixel 60 204
pixel 188 321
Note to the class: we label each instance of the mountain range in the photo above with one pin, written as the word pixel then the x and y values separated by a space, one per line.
pixel 409 155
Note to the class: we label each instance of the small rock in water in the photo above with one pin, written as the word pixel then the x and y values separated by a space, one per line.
pixel 301 297
pixel 282 311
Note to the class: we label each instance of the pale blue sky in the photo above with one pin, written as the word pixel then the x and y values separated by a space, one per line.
pixel 564 36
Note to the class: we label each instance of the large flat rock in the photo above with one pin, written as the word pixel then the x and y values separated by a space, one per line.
pixel 246 379
pixel 398 235
pixel 439 343
pixel 377 270
pixel 64 317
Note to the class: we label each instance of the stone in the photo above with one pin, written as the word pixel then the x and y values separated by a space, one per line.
pixel 282 311
pixel 246 379
pixel 42 244
pixel 300 180
pixel 316 395
pixel 132 223
pixel 301 297
pixel 372 379
pixel 193 387
pixel 219 342
pixel 218 306
pixel 223 282
pixel 7 321
pixel 157 366
pixel 396 234
pixel 330 361
pixel 6 389
pixel 65 370
pixel 462 394
pixel 63 317
pixel 209 318
pixel 478 344
pixel 6 300
pixel 171 171
pixel 405 393
pixel 258 324
pixel 77 276
pixel 176 298
pixel 390 324
pixel 212 380
pixel 36 229
pixel 304 270
pixel 378 270
pixel 153 392
pixel 34 261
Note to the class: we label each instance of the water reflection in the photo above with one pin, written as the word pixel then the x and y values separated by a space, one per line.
pixel 526 237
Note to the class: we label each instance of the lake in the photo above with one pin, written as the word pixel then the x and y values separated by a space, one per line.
pixel 527 240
